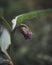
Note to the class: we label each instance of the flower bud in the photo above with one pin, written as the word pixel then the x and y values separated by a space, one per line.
pixel 26 32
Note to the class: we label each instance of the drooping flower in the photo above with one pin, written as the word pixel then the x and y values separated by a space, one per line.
pixel 25 30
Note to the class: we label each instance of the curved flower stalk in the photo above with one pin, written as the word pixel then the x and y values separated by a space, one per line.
pixel 26 31
pixel 14 21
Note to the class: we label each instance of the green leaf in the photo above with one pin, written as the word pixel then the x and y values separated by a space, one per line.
pixel 31 15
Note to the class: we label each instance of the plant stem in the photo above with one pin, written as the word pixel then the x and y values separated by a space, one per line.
pixel 5 23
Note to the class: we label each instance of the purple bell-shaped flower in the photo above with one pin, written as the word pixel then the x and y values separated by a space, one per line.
pixel 25 30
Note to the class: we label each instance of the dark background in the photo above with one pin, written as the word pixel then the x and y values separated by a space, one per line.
pixel 37 51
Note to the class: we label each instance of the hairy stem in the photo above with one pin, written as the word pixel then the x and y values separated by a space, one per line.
pixel 6 24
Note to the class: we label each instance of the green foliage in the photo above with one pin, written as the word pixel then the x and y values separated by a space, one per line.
pixel 31 15
pixel 24 17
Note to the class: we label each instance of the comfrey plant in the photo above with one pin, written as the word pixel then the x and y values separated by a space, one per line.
pixel 6 32
pixel 24 29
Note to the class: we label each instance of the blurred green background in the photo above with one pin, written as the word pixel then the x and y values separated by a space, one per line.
pixel 37 51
